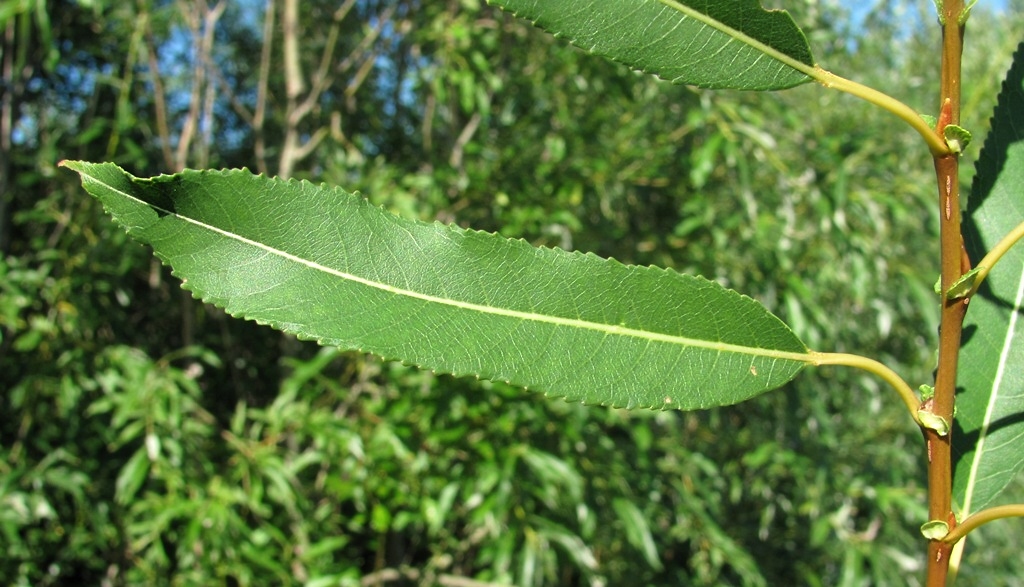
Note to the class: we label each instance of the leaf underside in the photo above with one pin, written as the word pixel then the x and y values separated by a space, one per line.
pixel 990 397
pixel 712 45
pixel 327 265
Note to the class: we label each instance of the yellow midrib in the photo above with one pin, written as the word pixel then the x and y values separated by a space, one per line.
pixel 611 329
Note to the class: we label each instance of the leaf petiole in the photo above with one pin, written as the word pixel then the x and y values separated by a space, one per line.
pixel 981 518
pixel 936 144
pixel 877 368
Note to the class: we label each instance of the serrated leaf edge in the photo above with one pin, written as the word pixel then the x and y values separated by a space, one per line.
pixel 609 329
pixel 743 37
pixel 809 70
pixel 983 429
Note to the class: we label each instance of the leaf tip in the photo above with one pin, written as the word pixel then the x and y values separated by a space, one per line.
pixel 71 165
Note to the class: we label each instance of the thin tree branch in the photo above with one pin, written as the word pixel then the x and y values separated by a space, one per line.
pixel 260 110
pixel 293 148
pixel 323 78
pixel 940 473
pixel 303 150
pixel 123 108
pixel 222 84
pixel 163 129
pixel 293 87
pixel 188 128
pixel 363 55
pixel 455 159
pixel 293 81
pixel 207 124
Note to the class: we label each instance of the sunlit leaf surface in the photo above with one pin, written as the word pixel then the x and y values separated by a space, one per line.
pixel 990 401
pixel 327 265
pixel 723 44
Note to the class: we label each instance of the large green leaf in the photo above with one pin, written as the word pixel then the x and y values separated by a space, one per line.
pixel 712 44
pixel 989 439
pixel 327 265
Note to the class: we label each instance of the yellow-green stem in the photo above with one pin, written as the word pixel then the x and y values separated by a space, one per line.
pixel 881 370
pixel 997 252
pixel 936 144
pixel 981 518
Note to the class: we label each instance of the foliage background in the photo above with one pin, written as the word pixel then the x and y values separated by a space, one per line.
pixel 149 439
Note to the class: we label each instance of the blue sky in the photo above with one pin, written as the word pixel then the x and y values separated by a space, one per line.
pixel 860 7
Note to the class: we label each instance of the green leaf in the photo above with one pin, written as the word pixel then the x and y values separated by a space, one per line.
pixel 723 44
pixel 966 13
pixel 990 403
pixel 927 392
pixel 638 531
pixel 131 477
pixel 957 137
pixel 326 265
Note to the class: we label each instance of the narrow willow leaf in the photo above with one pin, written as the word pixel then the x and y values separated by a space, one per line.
pixel 988 439
pixel 638 531
pixel 733 44
pixel 326 265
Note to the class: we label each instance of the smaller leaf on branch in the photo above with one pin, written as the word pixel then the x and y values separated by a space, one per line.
pixel 733 44
pixel 956 137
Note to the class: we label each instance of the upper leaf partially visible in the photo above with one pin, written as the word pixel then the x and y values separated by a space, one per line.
pixel 327 265
pixel 990 400
pixel 717 44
